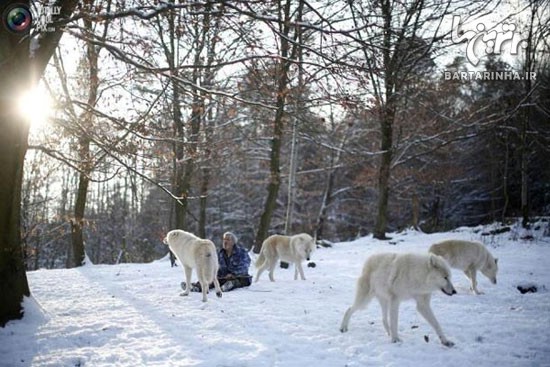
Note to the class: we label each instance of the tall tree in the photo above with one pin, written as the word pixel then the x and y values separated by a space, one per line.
pixel 20 70
pixel 288 49
pixel 392 38
pixel 76 251
pixel 538 31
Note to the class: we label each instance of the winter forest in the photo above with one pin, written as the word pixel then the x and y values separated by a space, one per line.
pixel 334 118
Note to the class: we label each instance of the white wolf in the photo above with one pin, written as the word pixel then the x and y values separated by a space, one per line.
pixel 392 278
pixel 468 257
pixel 195 253
pixel 292 249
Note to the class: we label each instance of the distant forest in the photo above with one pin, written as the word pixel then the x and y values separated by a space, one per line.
pixel 263 117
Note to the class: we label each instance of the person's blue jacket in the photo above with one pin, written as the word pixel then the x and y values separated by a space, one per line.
pixel 236 264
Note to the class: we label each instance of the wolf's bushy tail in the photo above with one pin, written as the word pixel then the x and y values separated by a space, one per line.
pixel 362 293
pixel 260 260
pixel 209 267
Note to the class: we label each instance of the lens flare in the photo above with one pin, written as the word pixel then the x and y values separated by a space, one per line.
pixel 18 18
pixel 36 106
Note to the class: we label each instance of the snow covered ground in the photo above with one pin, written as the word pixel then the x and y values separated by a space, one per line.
pixel 132 315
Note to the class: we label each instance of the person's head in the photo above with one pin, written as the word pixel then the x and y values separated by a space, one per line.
pixel 229 240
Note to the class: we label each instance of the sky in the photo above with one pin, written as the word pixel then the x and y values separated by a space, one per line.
pixel 133 314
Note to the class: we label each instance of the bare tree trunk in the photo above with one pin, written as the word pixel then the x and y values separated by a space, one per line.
pixel 186 155
pixel 205 180
pixel 13 144
pixel 179 189
pixel 77 252
pixel 179 206
pixel 16 67
pixel 294 145
pixel 14 129
pixel 327 200
pixel 386 125
pixel 415 211
pixel 529 67
pixel 170 47
pixel 203 201
pixel 329 187
pixel 505 178
pixel 278 125
pixel 291 182
pixel 274 177
pixel 524 172
pixel 384 173
pixel 206 171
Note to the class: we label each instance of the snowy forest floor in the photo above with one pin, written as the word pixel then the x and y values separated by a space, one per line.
pixel 133 315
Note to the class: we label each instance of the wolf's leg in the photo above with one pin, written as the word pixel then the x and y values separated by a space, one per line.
pixel 362 298
pixel 272 264
pixel 187 270
pixel 384 306
pixel 259 272
pixel 298 268
pixel 204 289
pixel 261 269
pixel 423 307
pixel 471 273
pixel 345 321
pixel 217 286
pixel 394 319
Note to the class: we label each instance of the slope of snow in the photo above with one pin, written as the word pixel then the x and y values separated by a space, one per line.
pixel 132 315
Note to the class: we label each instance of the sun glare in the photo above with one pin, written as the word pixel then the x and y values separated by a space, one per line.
pixel 36 106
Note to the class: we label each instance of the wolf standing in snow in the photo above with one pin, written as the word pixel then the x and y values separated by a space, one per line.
pixel 292 249
pixel 468 257
pixel 195 253
pixel 392 278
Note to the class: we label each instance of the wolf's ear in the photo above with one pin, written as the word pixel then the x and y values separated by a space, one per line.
pixel 437 261
pixel 433 260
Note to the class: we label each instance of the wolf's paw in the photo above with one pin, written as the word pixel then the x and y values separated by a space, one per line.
pixel 184 294
pixel 219 294
pixel 396 340
pixel 447 343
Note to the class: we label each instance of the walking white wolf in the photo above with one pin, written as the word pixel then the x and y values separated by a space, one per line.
pixel 392 278
pixel 468 257
pixel 195 253
pixel 292 249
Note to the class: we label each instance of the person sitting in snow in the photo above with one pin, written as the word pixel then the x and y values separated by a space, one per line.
pixel 234 263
